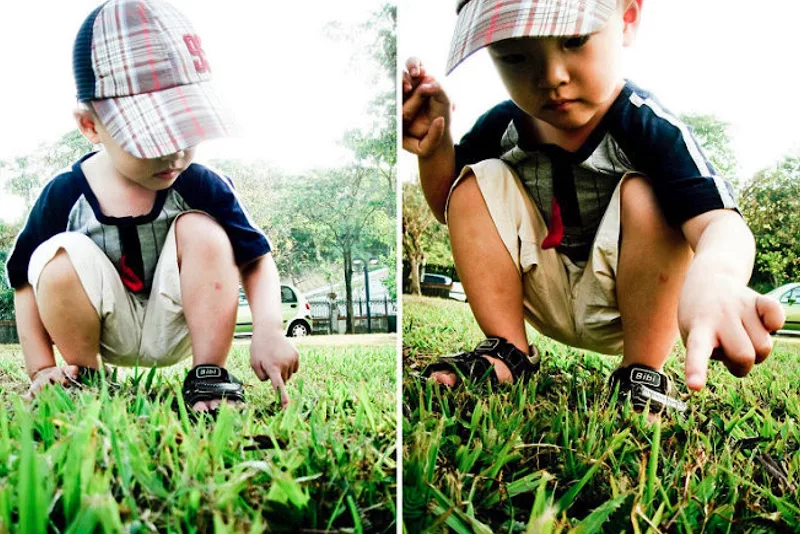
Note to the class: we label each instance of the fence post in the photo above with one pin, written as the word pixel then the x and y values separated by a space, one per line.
pixel 386 310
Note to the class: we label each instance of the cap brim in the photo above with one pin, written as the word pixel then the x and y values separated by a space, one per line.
pixel 159 123
pixel 483 22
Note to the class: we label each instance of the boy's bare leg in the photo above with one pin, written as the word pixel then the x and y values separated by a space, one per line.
pixel 209 289
pixel 491 281
pixel 67 313
pixel 653 260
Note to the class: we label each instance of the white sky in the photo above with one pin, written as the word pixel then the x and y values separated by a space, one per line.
pixel 704 56
pixel 292 90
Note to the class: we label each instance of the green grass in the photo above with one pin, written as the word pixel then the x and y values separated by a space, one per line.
pixel 551 456
pixel 89 460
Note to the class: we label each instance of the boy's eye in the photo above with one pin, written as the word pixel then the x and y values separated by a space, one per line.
pixel 512 59
pixel 575 42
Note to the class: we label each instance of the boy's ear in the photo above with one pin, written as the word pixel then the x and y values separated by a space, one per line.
pixel 87 124
pixel 630 19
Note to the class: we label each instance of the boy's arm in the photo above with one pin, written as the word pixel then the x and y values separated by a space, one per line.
pixel 718 315
pixel 37 348
pixel 426 133
pixel 272 356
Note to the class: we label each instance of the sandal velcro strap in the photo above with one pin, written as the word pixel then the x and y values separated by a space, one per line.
pixel 644 384
pixel 208 382
pixel 474 367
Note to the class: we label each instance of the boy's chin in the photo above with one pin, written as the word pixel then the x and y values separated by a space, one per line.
pixel 159 185
pixel 566 121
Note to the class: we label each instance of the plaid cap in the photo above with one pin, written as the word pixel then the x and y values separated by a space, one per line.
pixel 483 22
pixel 142 68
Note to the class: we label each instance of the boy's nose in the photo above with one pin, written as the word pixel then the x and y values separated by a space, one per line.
pixel 553 72
pixel 175 156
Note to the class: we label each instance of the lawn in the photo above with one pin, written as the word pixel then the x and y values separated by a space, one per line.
pixel 551 456
pixel 134 460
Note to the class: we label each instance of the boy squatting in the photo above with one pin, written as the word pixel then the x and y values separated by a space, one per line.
pixel 640 231
pixel 135 252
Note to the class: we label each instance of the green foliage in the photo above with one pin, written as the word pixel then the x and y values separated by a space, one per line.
pixel 29 173
pixel 376 145
pixel 770 203
pixel 6 293
pixel 712 134
pixel 88 461
pixel 8 233
pixel 551 455
pixel 347 209
pixel 271 198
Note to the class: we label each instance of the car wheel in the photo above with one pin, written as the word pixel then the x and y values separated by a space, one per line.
pixel 299 329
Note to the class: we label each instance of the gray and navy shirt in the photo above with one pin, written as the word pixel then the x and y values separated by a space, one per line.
pixel 636 134
pixel 133 244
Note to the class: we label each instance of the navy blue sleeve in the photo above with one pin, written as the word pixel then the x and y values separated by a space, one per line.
pixel 48 217
pixel 213 193
pixel 483 140
pixel 662 147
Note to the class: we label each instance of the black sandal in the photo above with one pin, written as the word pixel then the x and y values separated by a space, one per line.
pixel 208 382
pixel 473 366
pixel 642 384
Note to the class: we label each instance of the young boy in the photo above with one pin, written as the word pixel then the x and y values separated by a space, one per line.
pixel 583 206
pixel 135 252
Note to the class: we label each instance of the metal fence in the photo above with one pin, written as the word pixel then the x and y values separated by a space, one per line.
pixel 330 317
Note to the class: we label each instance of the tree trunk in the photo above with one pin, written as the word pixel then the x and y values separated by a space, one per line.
pixel 414 263
pixel 348 289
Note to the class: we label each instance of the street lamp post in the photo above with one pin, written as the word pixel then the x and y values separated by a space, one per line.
pixel 356 263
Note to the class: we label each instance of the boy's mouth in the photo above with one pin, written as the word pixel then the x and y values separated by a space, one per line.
pixel 560 105
pixel 169 174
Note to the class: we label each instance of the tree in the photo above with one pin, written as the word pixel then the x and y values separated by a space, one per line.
pixel 341 206
pixel 30 172
pixel 25 180
pixel 376 145
pixel 417 220
pixel 712 134
pixel 8 233
pixel 66 151
pixel 272 199
pixel 424 238
pixel 770 203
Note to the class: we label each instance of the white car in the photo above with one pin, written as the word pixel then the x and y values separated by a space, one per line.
pixel 296 313
pixel 457 292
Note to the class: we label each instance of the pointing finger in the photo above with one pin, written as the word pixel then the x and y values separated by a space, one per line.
pixel 277 382
pixel 699 346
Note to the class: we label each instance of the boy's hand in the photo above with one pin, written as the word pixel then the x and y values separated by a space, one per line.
pixel 51 375
pixel 274 358
pixel 726 321
pixel 426 110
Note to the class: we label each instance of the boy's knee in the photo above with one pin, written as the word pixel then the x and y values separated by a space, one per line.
pixel 201 234
pixel 638 203
pixel 58 273
pixel 640 211
pixel 465 195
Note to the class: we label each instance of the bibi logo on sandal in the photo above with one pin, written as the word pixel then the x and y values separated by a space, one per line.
pixel 488 344
pixel 643 376
pixel 209 371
